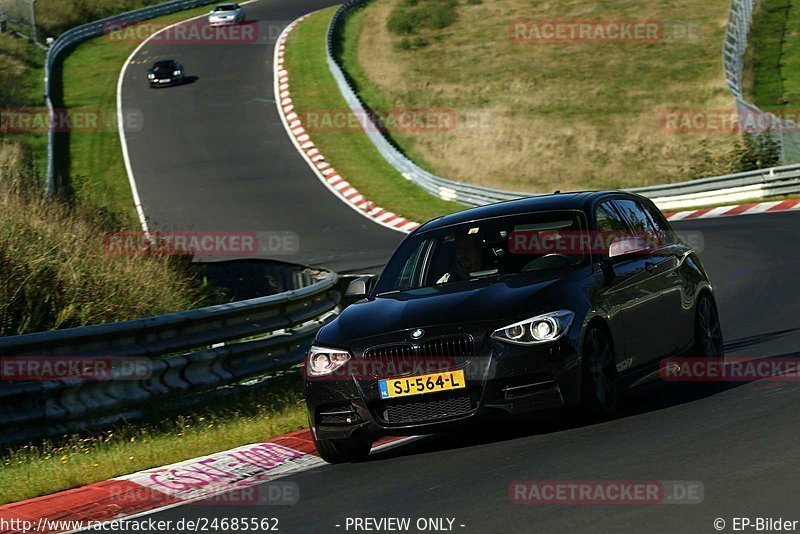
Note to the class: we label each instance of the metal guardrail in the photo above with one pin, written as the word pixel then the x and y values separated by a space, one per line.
pixel 77 35
pixel 733 187
pixel 187 353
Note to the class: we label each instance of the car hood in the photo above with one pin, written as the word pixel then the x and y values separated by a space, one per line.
pixel 488 301
pixel 164 73
pixel 223 14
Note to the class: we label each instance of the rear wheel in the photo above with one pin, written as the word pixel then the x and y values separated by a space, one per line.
pixel 599 384
pixel 337 451
pixel 707 331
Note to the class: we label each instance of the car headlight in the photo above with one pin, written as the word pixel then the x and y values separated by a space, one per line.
pixel 539 329
pixel 323 361
pixel 151 76
pixel 176 73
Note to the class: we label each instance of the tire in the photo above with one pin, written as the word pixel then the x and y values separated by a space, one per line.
pixel 707 331
pixel 338 451
pixel 599 381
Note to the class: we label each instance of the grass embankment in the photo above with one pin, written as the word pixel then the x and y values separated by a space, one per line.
pixel 349 150
pixel 21 74
pixel 55 270
pixel 536 115
pixel 249 418
pixel 772 73
pixel 56 273
pixel 54 17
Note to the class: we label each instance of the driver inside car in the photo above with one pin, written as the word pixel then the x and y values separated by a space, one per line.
pixel 466 260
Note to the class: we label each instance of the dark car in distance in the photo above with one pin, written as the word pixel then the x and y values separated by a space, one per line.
pixel 165 72
pixel 532 304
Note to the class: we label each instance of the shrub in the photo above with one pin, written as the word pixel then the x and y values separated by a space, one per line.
pixel 412 16
pixel 420 42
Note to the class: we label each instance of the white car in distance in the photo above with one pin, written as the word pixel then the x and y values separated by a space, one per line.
pixel 226 14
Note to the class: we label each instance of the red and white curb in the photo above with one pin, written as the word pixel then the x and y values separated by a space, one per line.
pixel 346 192
pixel 741 209
pixel 205 480
pixel 321 167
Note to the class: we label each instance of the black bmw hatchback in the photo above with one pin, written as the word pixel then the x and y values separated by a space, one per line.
pixel 166 72
pixel 520 306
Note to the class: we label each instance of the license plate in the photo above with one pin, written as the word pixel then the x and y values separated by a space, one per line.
pixel 419 385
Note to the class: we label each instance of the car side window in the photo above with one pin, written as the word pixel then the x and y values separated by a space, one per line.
pixel 609 223
pixel 644 223
pixel 409 275
pixel 660 224
pixel 607 219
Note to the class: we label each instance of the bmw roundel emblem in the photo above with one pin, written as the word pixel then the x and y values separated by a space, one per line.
pixel 418 333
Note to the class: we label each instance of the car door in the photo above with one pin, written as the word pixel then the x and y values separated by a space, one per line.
pixel 660 279
pixel 632 294
pixel 668 256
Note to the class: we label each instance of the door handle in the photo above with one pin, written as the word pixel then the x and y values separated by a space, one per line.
pixel 650 266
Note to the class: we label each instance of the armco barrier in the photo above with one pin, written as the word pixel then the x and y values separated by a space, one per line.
pixel 719 189
pixel 189 353
pixel 77 35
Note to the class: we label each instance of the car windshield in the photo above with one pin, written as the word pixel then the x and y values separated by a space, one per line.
pixel 545 242
pixel 164 65
pixel 226 7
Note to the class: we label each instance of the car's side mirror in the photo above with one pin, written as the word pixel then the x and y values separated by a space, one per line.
pixel 358 288
pixel 625 246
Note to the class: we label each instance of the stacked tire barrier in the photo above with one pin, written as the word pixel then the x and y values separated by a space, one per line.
pixel 719 189
pixel 184 354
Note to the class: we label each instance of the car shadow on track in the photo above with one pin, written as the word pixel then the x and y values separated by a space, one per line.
pixel 651 397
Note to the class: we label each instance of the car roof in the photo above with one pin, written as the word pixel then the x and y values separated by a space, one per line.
pixel 581 200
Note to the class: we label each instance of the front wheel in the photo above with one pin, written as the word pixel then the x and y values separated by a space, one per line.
pixel 337 451
pixel 599 383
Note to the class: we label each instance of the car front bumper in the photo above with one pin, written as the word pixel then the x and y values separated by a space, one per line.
pixel 165 82
pixel 501 379
pixel 225 22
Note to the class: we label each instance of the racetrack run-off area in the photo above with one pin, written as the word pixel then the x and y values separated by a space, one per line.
pixel 213 155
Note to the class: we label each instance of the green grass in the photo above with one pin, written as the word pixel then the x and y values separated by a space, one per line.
pixel 567 115
pixel 57 273
pixel 772 73
pixel 368 91
pixel 75 461
pixel 56 16
pixel 97 170
pixel 350 152
pixel 21 75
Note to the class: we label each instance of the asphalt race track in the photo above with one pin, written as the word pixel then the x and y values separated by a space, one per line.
pixel 213 155
pixel 210 157
pixel 738 439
